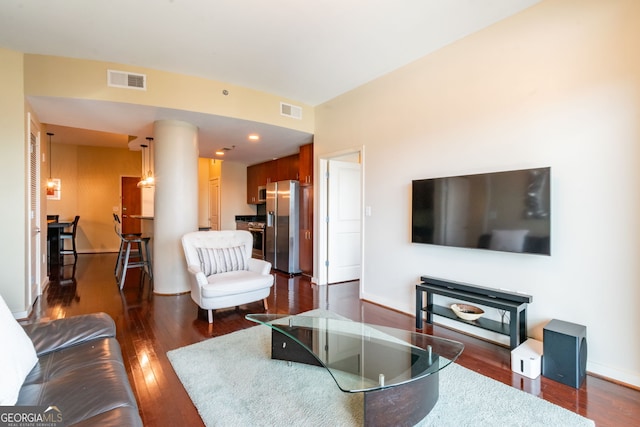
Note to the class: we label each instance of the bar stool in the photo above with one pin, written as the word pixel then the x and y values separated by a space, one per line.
pixel 70 235
pixel 117 226
pixel 140 258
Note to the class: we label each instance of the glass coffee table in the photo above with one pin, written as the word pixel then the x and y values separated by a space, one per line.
pixel 396 370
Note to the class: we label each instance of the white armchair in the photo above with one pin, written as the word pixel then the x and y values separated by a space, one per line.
pixel 222 272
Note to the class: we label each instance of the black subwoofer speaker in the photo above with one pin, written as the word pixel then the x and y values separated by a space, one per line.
pixel 565 352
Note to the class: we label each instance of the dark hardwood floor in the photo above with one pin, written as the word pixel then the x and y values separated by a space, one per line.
pixel 150 325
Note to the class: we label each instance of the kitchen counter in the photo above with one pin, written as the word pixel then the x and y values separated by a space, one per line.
pixel 251 218
pixel 141 217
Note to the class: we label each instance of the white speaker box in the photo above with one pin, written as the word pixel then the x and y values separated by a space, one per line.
pixel 526 359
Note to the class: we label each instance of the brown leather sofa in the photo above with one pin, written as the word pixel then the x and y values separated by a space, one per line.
pixel 80 371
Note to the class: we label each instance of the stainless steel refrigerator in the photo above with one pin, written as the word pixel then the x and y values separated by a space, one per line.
pixel 281 229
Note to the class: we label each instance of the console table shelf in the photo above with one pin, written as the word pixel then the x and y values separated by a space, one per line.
pixel 512 302
pixel 488 324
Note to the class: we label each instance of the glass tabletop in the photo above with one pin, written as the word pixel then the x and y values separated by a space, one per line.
pixel 363 357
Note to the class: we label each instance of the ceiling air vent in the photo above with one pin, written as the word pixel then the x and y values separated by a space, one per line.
pixel 126 80
pixel 292 111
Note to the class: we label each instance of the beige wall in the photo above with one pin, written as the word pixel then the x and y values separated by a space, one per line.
pixel 233 194
pixel 557 85
pixel 90 179
pixel 233 191
pixel 82 79
pixel 90 187
pixel 203 192
pixel 13 182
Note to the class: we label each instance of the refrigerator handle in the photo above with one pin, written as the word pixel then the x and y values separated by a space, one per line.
pixel 270 219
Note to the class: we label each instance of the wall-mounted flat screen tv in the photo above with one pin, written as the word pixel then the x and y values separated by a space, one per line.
pixel 503 211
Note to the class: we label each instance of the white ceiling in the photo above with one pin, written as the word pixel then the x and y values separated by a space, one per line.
pixel 308 51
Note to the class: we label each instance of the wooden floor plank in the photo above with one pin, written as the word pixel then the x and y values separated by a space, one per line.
pixel 150 325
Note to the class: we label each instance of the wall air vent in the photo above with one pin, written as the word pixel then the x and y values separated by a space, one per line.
pixel 125 79
pixel 292 111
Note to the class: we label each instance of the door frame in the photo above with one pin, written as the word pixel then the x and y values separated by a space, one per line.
pixel 34 252
pixel 320 221
pixel 211 181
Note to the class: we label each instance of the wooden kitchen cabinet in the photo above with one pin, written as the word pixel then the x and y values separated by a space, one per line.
pixel 275 170
pixel 306 164
pixel 296 167
pixel 253 173
pixel 305 167
pixel 270 172
pixel 306 230
pixel 287 168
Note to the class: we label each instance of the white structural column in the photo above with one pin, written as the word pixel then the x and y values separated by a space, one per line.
pixel 176 202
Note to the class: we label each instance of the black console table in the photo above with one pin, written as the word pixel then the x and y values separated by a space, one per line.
pixel 512 302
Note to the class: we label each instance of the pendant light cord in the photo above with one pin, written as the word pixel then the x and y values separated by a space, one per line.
pixel 50 156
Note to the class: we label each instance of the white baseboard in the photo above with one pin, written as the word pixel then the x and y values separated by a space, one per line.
pixel 613 374
pixel 606 372
pixel 99 251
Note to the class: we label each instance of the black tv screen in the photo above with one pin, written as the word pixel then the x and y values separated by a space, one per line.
pixel 503 211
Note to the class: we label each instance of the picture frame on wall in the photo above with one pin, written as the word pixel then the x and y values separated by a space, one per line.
pixel 53 192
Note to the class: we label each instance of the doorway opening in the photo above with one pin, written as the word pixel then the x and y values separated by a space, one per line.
pixel 340 243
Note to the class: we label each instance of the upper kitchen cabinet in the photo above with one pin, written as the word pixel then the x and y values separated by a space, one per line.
pixel 278 170
pixel 287 167
pixel 259 175
pixel 269 172
pixel 255 174
pixel 306 164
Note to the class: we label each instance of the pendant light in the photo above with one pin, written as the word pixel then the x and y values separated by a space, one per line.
pixel 147 180
pixel 150 180
pixel 143 181
pixel 50 182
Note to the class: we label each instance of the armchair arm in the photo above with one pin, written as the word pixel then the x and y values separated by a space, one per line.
pixel 196 271
pixel 259 266
pixel 62 333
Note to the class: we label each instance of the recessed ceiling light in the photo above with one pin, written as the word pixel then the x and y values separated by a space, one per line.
pixel 220 153
pixel 254 137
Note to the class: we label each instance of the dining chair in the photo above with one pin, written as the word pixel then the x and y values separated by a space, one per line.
pixel 70 235
pixel 53 218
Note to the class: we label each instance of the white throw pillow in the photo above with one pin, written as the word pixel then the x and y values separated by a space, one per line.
pixel 17 356
pixel 221 260
pixel 508 240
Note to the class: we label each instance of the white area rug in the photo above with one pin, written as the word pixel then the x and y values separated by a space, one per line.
pixel 232 381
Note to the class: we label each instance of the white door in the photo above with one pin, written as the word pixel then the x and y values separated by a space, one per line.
pixel 34 212
pixel 344 221
pixel 214 203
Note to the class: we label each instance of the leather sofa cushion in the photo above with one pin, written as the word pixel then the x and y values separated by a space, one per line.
pixel 119 417
pixel 85 381
pixel 61 333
